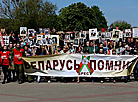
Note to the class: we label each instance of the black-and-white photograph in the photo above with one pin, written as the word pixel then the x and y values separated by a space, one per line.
pixel 127 33
pixel 23 31
pixel 115 35
pixel 93 34
pixel 72 36
pixel 55 39
pixel 6 40
pixel 76 42
pixel 31 42
pixel 30 32
pixel 103 35
pixel 67 38
pixel 83 34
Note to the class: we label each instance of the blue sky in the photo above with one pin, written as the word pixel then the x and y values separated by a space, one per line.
pixel 114 10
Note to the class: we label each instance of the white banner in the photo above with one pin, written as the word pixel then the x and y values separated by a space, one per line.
pixel 89 65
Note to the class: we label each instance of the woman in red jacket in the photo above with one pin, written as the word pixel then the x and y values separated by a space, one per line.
pixel 5 62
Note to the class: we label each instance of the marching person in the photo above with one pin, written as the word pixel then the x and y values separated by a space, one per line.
pixel 5 63
pixel 18 63
pixel 11 67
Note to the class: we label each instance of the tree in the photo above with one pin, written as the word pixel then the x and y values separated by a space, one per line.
pixel 100 20
pixel 121 24
pixel 78 16
pixel 30 13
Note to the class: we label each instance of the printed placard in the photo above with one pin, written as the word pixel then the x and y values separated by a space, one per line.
pixel 127 33
pixel 93 34
pixel 23 31
pixel 135 32
pixel 115 35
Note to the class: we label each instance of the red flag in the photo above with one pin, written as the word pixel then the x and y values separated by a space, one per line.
pixel 1 37
pixel 103 29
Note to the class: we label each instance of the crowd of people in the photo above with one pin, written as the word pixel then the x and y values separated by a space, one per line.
pixel 11 61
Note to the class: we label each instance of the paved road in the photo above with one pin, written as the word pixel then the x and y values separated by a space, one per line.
pixel 69 92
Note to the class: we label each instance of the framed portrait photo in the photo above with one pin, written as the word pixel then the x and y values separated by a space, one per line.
pixel 93 34
pixel 6 40
pixel 67 38
pixel 23 31
pixel 83 34
pixel 115 35
pixel 31 33
pixel 76 42
pixel 31 42
pixel 55 39
pixel 127 33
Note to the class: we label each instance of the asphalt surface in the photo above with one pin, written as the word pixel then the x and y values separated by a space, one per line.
pixel 69 92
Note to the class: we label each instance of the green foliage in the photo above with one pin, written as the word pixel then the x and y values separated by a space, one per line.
pixel 121 24
pixel 35 14
pixel 78 16
pixel 31 13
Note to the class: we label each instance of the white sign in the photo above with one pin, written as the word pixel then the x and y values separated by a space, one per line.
pixel 23 31
pixel 93 34
pixel 127 33
pixel 135 32
pixel 6 40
